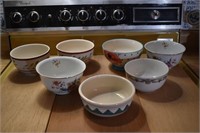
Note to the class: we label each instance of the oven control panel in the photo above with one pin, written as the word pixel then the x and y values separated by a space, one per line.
pixel 92 15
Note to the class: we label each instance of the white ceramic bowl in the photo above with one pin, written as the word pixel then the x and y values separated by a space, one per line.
pixel 146 74
pixel 26 57
pixel 167 51
pixel 106 95
pixel 61 74
pixel 120 51
pixel 79 48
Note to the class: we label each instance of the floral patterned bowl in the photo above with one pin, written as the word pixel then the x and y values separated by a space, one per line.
pixel 167 51
pixel 26 57
pixel 79 48
pixel 120 51
pixel 61 74
pixel 146 74
pixel 106 95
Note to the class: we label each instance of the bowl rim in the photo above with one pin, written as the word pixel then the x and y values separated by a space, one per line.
pixel 126 39
pixel 106 104
pixel 145 59
pixel 154 52
pixel 28 45
pixel 71 40
pixel 59 57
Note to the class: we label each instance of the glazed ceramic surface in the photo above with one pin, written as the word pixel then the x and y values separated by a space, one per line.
pixel 26 57
pixel 167 51
pixel 79 48
pixel 146 74
pixel 120 51
pixel 61 74
pixel 106 95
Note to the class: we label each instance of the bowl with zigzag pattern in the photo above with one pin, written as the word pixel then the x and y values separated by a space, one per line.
pixel 106 95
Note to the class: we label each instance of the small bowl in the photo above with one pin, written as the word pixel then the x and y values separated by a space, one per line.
pixel 168 52
pixel 120 51
pixel 146 74
pixel 26 57
pixel 79 48
pixel 60 74
pixel 106 95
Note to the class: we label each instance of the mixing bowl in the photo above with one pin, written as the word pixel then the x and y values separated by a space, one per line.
pixel 26 57
pixel 120 51
pixel 60 74
pixel 146 74
pixel 167 51
pixel 79 48
pixel 106 95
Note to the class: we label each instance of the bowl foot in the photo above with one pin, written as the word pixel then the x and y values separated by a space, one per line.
pixel 118 68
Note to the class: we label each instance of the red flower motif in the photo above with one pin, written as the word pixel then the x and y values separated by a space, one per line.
pixel 56 83
pixel 112 57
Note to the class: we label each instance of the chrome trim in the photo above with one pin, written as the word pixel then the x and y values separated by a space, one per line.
pixel 8 3
pixel 178 12
pixel 147 28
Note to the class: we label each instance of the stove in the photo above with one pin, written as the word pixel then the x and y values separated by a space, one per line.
pixel 92 14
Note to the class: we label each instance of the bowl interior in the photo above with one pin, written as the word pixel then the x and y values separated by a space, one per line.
pixel 29 51
pixel 75 45
pixel 146 68
pixel 106 89
pixel 60 67
pixel 122 45
pixel 164 47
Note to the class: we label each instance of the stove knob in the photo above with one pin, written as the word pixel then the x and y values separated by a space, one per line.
pixel 16 17
pixel 155 14
pixel 100 15
pixel 65 15
pixel 118 14
pixel 34 16
pixel 2 22
pixel 83 15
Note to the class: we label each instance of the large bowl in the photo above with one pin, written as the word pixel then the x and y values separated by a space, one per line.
pixel 106 95
pixel 79 48
pixel 60 74
pixel 146 74
pixel 120 51
pixel 168 52
pixel 26 57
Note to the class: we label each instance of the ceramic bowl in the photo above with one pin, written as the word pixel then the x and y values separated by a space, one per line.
pixel 167 51
pixel 146 74
pixel 60 74
pixel 26 57
pixel 120 51
pixel 106 95
pixel 79 48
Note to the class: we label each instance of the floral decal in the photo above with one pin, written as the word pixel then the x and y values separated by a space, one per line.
pixel 56 63
pixel 170 63
pixel 112 57
pixel 61 85
pixel 73 85
pixel 31 66
pixel 165 44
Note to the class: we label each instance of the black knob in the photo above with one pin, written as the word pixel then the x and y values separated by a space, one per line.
pixel 155 14
pixel 65 15
pixel 16 17
pixel 100 15
pixel 34 16
pixel 2 22
pixel 118 14
pixel 83 15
